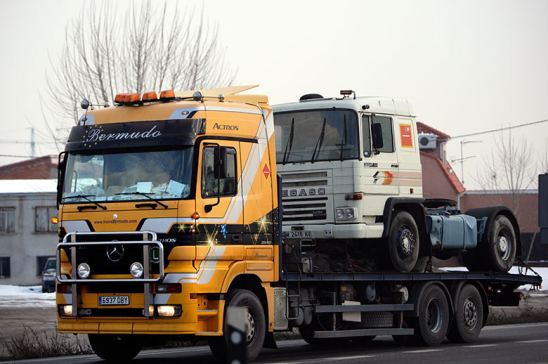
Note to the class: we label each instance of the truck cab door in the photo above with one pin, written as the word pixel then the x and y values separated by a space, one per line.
pixel 380 153
pixel 219 200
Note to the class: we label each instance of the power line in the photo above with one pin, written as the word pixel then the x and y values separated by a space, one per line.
pixel 500 129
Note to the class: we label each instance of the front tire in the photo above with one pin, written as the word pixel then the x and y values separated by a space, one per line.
pixel 468 321
pixel 115 348
pixel 403 242
pixel 255 325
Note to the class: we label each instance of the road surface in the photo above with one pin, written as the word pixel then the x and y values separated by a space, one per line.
pixel 526 343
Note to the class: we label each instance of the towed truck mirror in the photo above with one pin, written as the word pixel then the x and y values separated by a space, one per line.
pixel 376 135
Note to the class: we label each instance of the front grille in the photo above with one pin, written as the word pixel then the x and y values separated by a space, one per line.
pixel 113 287
pixel 305 196
pixel 96 255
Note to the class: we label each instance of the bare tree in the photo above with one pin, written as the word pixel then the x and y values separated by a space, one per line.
pixel 510 168
pixel 142 48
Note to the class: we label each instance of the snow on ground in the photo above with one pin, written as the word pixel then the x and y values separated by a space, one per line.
pixel 25 296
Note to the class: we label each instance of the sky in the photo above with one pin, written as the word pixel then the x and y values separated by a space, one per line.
pixel 465 66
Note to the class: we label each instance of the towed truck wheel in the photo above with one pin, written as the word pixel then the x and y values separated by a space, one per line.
pixel 498 253
pixel 115 348
pixel 255 324
pixel 403 242
pixel 468 320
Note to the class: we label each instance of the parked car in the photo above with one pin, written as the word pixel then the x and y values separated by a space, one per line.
pixel 48 275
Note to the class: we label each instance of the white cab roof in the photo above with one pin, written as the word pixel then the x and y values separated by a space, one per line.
pixel 377 104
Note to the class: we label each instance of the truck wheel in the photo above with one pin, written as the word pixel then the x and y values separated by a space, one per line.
pixel 115 348
pixel 255 325
pixel 468 320
pixel 501 248
pixel 403 242
pixel 433 321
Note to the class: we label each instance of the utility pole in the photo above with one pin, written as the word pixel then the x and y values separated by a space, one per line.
pixel 32 143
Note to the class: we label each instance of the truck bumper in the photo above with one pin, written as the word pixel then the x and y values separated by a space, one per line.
pixel 195 319
pixel 335 231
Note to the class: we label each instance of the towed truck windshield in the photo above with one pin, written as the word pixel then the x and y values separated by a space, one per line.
pixel 138 175
pixel 316 135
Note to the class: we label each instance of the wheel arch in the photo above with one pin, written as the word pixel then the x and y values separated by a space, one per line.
pixel 415 207
pixel 491 213
pixel 251 282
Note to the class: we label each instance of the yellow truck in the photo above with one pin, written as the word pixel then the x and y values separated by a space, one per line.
pixel 170 211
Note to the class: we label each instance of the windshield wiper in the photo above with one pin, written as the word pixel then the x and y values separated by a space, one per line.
pixel 319 143
pixel 289 144
pixel 145 195
pixel 86 197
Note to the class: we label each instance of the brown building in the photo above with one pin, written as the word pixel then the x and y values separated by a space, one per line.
pixel 438 178
pixel 36 168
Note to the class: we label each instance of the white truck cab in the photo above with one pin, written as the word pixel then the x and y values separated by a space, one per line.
pixel 340 160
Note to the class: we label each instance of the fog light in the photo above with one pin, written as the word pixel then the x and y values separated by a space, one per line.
pixel 83 270
pixel 168 310
pixel 65 310
pixel 136 270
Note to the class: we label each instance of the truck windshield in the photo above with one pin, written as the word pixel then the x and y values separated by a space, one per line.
pixel 316 135
pixel 128 176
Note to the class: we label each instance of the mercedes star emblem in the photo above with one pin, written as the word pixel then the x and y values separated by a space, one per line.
pixel 115 253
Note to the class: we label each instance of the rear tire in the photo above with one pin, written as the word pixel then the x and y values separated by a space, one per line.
pixel 115 348
pixel 255 325
pixel 468 320
pixel 498 253
pixel 403 242
pixel 433 321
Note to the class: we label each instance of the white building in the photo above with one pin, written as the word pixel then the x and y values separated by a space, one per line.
pixel 27 237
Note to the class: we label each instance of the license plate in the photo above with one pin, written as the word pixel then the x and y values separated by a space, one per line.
pixel 113 300
pixel 297 234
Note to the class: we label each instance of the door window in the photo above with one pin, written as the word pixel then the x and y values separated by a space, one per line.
pixel 218 171
pixel 387 135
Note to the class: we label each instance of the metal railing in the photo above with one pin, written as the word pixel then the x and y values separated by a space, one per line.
pixel 70 241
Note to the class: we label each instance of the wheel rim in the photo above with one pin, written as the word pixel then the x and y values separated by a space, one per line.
pixel 250 327
pixel 406 241
pixel 504 244
pixel 434 318
pixel 470 313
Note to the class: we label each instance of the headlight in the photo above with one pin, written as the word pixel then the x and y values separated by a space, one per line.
pixel 345 213
pixel 136 270
pixel 168 310
pixel 65 310
pixel 83 270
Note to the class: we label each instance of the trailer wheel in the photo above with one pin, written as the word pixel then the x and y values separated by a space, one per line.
pixel 433 321
pixel 403 242
pixel 115 348
pixel 255 325
pixel 468 320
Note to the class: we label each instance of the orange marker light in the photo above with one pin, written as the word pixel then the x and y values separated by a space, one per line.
pixel 134 98
pixel 121 98
pixel 150 96
pixel 167 95
pixel 195 215
pixel 54 220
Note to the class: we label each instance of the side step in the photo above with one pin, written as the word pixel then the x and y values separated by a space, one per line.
pixel 365 308
pixel 362 332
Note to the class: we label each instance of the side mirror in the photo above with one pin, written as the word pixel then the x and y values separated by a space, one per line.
pixel 376 136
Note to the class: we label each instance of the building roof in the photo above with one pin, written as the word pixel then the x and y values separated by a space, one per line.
pixel 448 171
pixel 423 128
pixel 36 168
pixel 12 186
